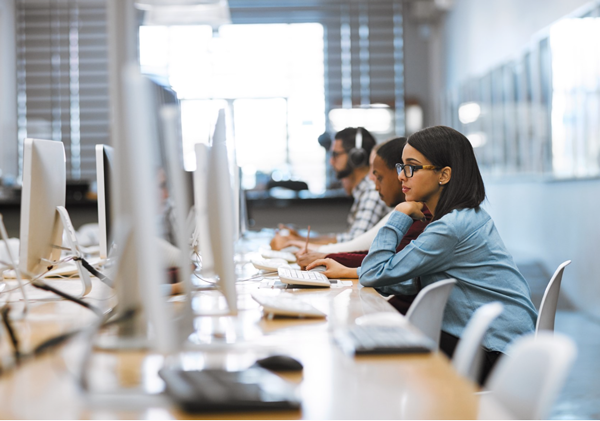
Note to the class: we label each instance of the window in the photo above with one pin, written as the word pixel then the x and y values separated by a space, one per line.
pixel 539 110
pixel 62 78
pixel 269 76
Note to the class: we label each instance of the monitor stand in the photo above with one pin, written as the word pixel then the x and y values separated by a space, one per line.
pixel 130 324
pixel 86 282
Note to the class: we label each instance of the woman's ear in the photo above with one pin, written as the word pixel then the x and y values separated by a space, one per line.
pixel 445 175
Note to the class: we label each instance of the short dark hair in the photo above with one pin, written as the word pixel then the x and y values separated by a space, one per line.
pixel 446 147
pixel 391 151
pixel 348 138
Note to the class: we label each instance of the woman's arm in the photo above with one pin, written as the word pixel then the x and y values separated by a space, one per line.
pixel 431 252
pixel 334 269
pixel 362 242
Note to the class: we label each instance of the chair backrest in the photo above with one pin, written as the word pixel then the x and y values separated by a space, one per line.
pixel 427 311
pixel 547 311
pixel 467 356
pixel 527 380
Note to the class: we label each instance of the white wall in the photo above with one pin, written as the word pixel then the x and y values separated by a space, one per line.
pixel 552 222
pixel 481 34
pixel 8 90
pixel 549 221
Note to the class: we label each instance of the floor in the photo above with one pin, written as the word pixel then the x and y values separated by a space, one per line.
pixel 580 397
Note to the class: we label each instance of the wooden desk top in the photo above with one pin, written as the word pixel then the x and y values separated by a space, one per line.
pixel 332 384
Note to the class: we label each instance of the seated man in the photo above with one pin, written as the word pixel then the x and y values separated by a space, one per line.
pixel 350 159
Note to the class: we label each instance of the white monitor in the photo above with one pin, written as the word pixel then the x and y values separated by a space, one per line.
pixel 201 233
pixel 104 176
pixel 44 189
pixel 43 214
pixel 141 271
pixel 220 208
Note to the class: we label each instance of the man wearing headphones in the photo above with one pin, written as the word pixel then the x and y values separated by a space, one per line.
pixel 350 153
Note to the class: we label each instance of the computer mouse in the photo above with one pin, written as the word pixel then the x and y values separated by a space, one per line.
pixel 318 269
pixel 280 363
pixel 384 318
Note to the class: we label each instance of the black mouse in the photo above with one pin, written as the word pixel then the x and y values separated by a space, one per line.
pixel 280 363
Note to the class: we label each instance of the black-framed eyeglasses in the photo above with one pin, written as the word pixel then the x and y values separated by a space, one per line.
pixel 409 170
pixel 335 154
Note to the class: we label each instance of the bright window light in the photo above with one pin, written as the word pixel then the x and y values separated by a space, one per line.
pixel 376 120
pixel 575 84
pixel 270 76
pixel 477 139
pixel 469 112
pixel 414 118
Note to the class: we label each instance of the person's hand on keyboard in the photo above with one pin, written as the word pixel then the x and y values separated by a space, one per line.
pixel 334 269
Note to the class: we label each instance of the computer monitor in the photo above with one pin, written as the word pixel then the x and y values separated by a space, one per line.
pixel 104 176
pixel 141 271
pixel 44 189
pixel 201 232
pixel 43 214
pixel 220 208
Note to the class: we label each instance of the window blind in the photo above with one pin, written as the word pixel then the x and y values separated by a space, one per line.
pixel 62 78
pixel 364 61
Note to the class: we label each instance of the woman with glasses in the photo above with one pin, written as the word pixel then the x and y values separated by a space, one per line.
pixel 439 170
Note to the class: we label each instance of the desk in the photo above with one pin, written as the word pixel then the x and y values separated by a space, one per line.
pixel 332 384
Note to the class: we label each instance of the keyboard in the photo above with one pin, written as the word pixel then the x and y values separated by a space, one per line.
pixel 274 254
pixel 287 305
pixel 361 340
pixel 302 277
pixel 218 390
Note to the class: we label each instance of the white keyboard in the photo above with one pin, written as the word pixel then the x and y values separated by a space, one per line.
pixel 302 277
pixel 287 305
pixel 270 265
pixel 274 254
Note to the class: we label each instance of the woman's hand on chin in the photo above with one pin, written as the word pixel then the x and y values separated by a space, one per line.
pixel 412 209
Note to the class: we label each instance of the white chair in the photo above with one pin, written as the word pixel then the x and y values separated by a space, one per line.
pixel 526 381
pixel 427 311
pixel 547 311
pixel 467 356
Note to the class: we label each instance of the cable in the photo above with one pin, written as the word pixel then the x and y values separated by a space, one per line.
pixel 13 337
pixel 52 342
pixel 204 279
pixel 41 285
pixel 95 272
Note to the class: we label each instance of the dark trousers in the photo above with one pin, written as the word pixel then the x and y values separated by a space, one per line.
pixel 448 342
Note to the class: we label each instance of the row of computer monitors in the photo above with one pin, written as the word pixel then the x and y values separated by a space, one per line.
pixel 131 183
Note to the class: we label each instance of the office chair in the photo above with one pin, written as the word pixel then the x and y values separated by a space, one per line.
pixel 427 311
pixel 547 311
pixel 526 381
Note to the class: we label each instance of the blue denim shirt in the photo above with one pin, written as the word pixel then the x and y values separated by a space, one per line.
pixel 463 245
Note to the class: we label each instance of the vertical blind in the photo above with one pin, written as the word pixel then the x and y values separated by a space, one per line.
pixel 62 78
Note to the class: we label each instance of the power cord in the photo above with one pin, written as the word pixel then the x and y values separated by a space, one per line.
pixel 91 269
pixel 11 332
pixel 41 285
